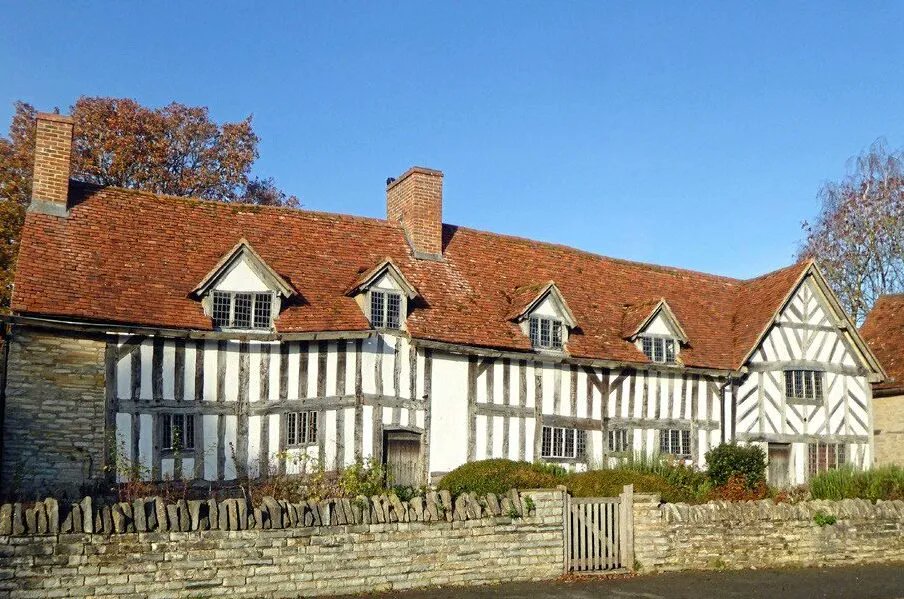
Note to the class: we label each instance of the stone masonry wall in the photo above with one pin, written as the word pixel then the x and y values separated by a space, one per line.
pixel 888 422
pixel 53 426
pixel 763 534
pixel 210 549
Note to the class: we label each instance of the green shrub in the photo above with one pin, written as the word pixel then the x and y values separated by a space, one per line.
pixel 364 477
pixel 728 459
pixel 609 483
pixel 687 479
pixel 846 483
pixel 823 519
pixel 498 476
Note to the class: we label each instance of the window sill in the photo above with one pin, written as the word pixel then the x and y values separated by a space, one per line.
pixel 804 401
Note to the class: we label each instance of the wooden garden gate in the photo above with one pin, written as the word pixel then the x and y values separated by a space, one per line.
pixel 599 535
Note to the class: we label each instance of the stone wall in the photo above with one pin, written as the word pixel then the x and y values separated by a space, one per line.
pixel 762 534
pixel 148 548
pixel 888 422
pixel 53 426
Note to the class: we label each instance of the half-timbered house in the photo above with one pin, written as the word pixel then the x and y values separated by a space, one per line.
pixel 202 340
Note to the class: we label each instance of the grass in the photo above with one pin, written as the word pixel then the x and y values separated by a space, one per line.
pixel 846 483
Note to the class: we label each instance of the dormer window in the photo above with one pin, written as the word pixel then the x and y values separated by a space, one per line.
pixel 659 349
pixel 543 315
pixel 545 333
pixel 242 292
pixel 242 310
pixel 384 294
pixel 385 309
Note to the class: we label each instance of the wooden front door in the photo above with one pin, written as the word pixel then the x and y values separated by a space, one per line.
pixel 402 456
pixel 779 473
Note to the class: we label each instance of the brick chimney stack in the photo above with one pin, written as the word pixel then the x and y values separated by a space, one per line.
pixel 415 200
pixel 53 156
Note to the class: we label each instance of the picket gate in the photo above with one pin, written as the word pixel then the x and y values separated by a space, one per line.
pixel 599 535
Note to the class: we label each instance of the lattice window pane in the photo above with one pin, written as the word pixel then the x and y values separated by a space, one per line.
pixel 393 310
pixel 534 332
pixel 669 351
pixel 664 442
pixel 569 443
pixel 544 332
pixel 581 449
pixel 221 305
pixel 789 383
pixel 618 440
pixel 291 428
pixel 808 384
pixel 188 438
pixel 798 383
pixel 685 443
pixel 377 307
pixel 658 345
pixel 817 385
pixel 557 335
pixel 263 303
pixel 648 347
pixel 558 442
pixel 167 433
pixel 311 436
pixel 546 446
pixel 241 312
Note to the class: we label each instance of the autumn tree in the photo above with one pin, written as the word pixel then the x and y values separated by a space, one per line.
pixel 176 150
pixel 858 236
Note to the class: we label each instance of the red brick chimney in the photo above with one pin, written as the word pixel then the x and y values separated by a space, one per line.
pixel 415 200
pixel 53 156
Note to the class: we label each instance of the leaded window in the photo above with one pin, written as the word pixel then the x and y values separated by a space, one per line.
pixel 178 431
pixel 803 385
pixel 618 440
pixel 545 333
pixel 825 456
pixel 659 349
pixel 676 442
pixel 385 309
pixel 567 443
pixel 242 309
pixel 301 428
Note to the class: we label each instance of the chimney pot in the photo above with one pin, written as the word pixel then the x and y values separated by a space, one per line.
pixel 415 200
pixel 53 157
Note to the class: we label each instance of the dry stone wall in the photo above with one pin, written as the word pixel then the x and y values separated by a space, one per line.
pixel 763 534
pixel 152 548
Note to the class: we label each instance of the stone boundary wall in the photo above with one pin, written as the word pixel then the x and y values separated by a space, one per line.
pixel 762 534
pixel 149 548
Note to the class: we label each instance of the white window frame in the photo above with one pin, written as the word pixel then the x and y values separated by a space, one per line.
pixel 660 349
pixel 556 333
pixel 563 443
pixel 255 297
pixel 676 442
pixel 382 322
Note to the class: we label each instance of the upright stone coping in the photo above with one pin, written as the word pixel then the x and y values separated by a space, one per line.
pixel 153 514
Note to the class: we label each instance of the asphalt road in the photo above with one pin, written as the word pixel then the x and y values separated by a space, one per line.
pixel 860 582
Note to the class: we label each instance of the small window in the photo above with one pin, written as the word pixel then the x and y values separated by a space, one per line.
pixel 178 432
pixel 301 428
pixel 826 456
pixel 676 442
pixel 568 443
pixel 659 349
pixel 803 385
pixel 618 440
pixel 385 310
pixel 242 310
pixel 545 333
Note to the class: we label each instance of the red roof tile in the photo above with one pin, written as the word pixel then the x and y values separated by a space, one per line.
pixel 130 257
pixel 883 331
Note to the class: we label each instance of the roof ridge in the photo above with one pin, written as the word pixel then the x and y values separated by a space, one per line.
pixel 649 265
pixel 226 205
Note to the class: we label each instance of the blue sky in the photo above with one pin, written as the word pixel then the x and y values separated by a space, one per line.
pixel 687 134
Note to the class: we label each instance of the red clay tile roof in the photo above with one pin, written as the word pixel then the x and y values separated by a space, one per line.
pixel 130 257
pixel 883 331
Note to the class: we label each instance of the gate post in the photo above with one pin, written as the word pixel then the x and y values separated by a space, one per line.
pixel 566 530
pixel 626 528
